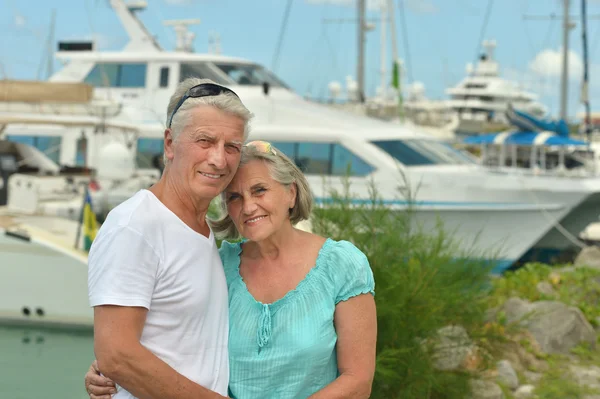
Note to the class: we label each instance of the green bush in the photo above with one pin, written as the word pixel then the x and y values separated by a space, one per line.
pixel 422 283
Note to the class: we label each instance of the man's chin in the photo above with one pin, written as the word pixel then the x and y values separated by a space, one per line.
pixel 208 191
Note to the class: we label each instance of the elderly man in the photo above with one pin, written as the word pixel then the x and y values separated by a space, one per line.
pixel 155 277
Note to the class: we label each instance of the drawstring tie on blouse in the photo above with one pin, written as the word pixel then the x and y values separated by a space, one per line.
pixel 264 326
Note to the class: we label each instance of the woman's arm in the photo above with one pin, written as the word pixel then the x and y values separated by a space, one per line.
pixel 356 327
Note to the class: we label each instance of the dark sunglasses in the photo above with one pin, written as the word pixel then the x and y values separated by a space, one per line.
pixel 201 90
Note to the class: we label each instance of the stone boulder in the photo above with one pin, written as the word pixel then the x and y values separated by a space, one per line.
pixel 451 349
pixel 589 257
pixel 556 327
pixel 524 392
pixel 482 389
pixel 507 375
pixel 586 376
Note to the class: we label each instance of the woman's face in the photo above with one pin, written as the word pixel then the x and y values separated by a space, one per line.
pixel 258 205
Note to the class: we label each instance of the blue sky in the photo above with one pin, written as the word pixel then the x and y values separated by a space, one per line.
pixel 442 37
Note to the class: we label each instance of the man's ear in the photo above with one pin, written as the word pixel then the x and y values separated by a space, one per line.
pixel 168 145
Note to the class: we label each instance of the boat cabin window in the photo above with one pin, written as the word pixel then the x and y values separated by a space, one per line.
pixel 200 70
pixel 324 158
pixel 475 85
pixel 147 152
pixel 423 152
pixel 164 77
pixel 250 74
pixel 117 75
pixel 49 145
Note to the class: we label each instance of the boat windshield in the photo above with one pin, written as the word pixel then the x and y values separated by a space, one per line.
pixel 250 74
pixel 423 152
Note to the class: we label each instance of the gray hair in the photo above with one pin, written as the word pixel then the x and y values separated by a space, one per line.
pixel 226 102
pixel 284 171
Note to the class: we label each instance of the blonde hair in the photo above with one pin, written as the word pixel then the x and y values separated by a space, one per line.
pixel 281 169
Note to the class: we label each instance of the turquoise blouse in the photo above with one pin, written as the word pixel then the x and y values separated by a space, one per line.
pixel 286 349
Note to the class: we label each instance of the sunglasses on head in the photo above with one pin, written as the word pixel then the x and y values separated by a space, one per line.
pixel 262 146
pixel 201 90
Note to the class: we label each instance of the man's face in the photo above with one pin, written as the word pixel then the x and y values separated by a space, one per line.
pixel 206 154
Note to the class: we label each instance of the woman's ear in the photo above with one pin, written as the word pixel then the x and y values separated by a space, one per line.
pixel 293 195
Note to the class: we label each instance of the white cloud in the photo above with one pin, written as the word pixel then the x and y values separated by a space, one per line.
pixel 20 20
pixel 548 63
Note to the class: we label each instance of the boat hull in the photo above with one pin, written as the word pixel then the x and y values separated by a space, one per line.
pixel 42 284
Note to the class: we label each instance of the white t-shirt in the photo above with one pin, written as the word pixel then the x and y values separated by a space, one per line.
pixel 144 255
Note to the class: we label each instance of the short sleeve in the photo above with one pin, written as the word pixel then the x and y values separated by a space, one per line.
pixel 351 272
pixel 230 257
pixel 122 269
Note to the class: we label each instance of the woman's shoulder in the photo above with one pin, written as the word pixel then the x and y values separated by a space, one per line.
pixel 343 251
pixel 348 269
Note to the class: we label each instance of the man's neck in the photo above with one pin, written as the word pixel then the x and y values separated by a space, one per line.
pixel 191 212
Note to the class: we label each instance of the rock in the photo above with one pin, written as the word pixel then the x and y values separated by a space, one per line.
pixel 589 257
pixel 524 392
pixel 532 377
pixel 452 348
pixel 482 389
pixel 586 376
pixel 507 375
pixel 516 309
pixel 522 359
pixel 556 327
pixel 545 288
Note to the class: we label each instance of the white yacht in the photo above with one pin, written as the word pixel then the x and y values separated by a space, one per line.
pixel 482 97
pixel 43 271
pixel 492 213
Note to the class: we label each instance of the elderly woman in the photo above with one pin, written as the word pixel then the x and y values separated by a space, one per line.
pixel 302 317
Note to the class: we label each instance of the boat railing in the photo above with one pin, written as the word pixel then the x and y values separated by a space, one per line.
pixel 540 160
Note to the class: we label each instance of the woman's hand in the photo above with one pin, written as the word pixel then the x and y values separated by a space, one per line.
pixel 98 386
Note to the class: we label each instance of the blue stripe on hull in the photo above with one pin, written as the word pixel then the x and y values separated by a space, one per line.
pixel 360 201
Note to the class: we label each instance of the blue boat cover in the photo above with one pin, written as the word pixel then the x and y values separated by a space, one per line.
pixel 528 131
pixel 524 139
pixel 525 122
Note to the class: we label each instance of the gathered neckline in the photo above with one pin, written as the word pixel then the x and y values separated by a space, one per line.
pixel 293 292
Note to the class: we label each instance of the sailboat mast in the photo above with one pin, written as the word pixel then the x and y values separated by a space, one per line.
pixel 585 98
pixel 564 91
pixel 383 51
pixel 360 73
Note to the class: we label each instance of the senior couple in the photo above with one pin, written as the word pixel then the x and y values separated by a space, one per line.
pixel 281 313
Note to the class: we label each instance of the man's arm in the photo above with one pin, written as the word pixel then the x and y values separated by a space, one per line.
pixel 123 359
pixel 356 326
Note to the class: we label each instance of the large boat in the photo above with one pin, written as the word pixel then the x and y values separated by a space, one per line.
pixel 491 213
pixel 483 96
